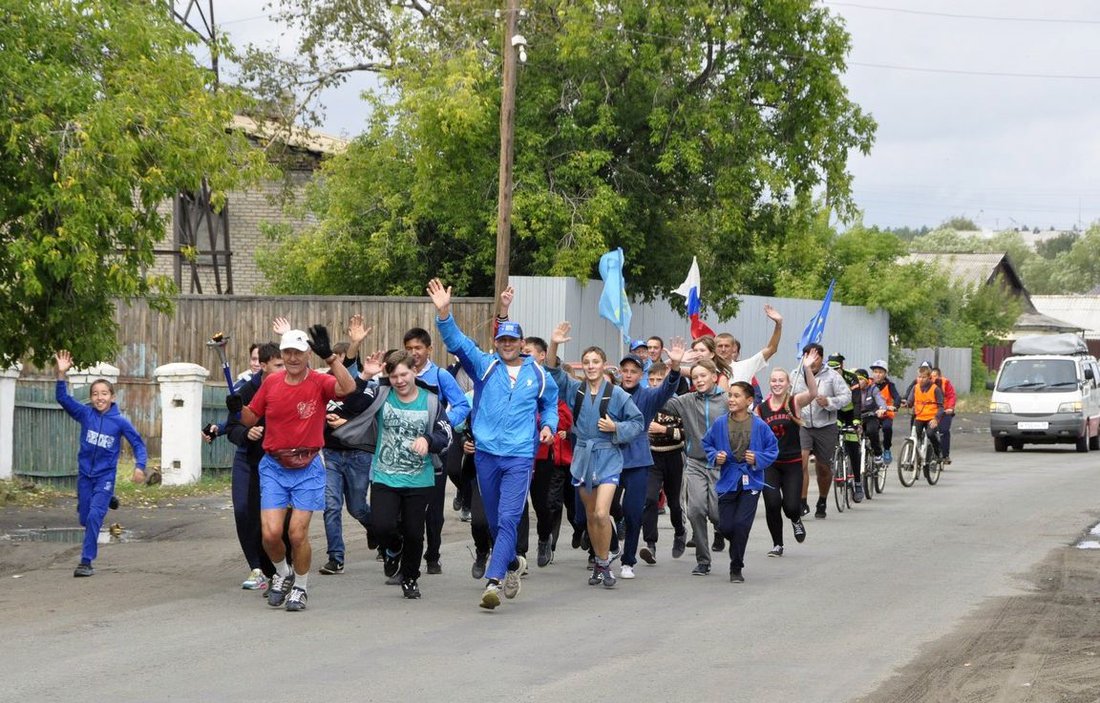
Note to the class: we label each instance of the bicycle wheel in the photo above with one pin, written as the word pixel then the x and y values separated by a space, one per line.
pixel 907 467
pixel 868 473
pixel 880 477
pixel 849 490
pixel 840 470
pixel 933 467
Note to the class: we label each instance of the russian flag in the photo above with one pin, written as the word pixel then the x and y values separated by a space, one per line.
pixel 691 291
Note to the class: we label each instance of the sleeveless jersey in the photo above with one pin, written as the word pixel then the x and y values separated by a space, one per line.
pixel 785 429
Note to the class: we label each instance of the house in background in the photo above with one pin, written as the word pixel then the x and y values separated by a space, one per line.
pixel 997 270
pixel 1082 310
pixel 214 253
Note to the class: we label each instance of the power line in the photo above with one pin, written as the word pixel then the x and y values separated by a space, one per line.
pixel 951 15
pixel 962 72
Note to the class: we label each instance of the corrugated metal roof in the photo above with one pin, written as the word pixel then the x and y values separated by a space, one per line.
pixel 969 269
pixel 1081 310
pixel 308 139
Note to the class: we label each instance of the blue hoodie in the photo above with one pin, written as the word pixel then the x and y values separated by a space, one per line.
pixel 761 441
pixel 649 400
pixel 99 435
pixel 504 415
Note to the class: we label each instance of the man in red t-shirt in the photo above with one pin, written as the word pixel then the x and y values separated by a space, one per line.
pixel 292 475
pixel 949 398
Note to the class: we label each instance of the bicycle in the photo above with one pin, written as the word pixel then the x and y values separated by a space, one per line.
pixel 919 456
pixel 844 480
pixel 872 470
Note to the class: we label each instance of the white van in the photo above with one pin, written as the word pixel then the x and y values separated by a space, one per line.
pixel 1046 392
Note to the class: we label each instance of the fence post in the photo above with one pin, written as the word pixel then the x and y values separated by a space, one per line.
pixel 181 420
pixel 8 377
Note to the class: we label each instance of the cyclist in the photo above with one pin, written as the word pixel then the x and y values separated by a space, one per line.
pixel 949 398
pixel 847 418
pixel 926 400
pixel 872 409
pixel 880 375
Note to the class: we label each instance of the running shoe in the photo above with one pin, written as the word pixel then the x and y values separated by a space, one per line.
pixel 776 551
pixel 805 507
pixel 586 543
pixel 296 600
pixel 596 577
pixel 735 576
pixel 511 579
pixel 410 589
pixel 609 577
pixel 701 570
pixel 390 563
pixel 820 512
pixel 546 555
pixel 478 569
pixel 254 581
pixel 332 567
pixel 678 546
pixel 465 515
pixel 577 538
pixel 799 531
pixel 113 503
pixel 83 569
pixel 719 543
pixel 947 460
pixel 280 587
pixel 434 567
pixel 456 504
pixel 490 597
pixel 648 553
pixel 887 456
pixel 627 572
pixel 858 497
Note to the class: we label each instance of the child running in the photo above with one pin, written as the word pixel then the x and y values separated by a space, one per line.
pixel 607 422
pixel 743 447
pixel 101 426
pixel 783 492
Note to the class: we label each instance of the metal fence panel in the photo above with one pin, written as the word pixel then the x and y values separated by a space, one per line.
pixel 954 362
pixel 45 439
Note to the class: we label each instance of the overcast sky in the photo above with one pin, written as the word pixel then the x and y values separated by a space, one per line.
pixel 986 108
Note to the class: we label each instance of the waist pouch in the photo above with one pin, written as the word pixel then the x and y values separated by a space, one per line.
pixel 295 458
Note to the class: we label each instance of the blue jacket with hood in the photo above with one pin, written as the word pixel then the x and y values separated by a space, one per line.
pixel 762 442
pixel 506 416
pixel 100 434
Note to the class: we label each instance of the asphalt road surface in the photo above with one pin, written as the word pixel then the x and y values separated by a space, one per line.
pixel 837 618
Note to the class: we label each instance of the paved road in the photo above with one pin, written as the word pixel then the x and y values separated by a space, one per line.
pixel 830 621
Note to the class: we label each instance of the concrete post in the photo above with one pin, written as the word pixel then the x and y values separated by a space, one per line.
pixel 8 377
pixel 84 377
pixel 181 421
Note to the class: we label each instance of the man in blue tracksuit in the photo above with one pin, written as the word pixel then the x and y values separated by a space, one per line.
pixel 514 408
pixel 102 427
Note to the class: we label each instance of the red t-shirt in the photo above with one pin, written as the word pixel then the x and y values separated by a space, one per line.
pixel 294 415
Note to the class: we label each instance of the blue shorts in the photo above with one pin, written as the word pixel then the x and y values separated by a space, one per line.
pixel 301 489
pixel 612 480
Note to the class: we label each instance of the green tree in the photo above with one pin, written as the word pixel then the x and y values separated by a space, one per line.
pixel 670 128
pixel 960 223
pixel 105 116
pixel 1050 248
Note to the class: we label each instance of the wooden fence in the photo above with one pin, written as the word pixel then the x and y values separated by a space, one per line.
pixel 46 444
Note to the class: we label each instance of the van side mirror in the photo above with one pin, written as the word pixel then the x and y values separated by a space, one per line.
pixel 1088 374
pixel 990 385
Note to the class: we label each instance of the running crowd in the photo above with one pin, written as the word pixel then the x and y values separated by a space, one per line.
pixel 610 448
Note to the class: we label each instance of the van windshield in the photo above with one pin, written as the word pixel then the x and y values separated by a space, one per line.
pixel 1038 375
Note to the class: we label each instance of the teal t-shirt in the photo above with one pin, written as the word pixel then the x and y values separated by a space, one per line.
pixel 395 463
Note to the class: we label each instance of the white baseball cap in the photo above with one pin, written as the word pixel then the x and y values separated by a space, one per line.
pixel 294 339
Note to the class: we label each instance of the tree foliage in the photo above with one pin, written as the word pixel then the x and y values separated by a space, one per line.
pixel 669 128
pixel 105 116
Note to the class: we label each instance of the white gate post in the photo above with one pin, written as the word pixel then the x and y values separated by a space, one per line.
pixel 8 377
pixel 181 422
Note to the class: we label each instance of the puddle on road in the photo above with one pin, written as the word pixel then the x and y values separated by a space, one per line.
pixel 69 535
pixel 1090 543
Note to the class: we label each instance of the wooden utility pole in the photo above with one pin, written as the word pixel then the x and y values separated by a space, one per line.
pixel 507 133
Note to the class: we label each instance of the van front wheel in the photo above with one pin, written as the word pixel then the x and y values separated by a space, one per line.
pixel 1083 443
pixel 1000 444
pixel 1094 442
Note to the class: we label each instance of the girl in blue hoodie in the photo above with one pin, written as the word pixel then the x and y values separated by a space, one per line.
pixel 742 446
pixel 101 427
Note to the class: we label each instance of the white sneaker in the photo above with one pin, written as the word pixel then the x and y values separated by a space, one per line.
pixel 255 581
pixel 627 572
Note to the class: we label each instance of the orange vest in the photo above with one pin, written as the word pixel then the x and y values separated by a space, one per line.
pixel 925 405
pixel 885 390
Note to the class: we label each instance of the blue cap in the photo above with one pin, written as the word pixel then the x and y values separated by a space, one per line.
pixel 509 329
pixel 632 359
pixel 634 344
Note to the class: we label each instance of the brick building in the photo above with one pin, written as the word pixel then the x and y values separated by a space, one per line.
pixel 224 244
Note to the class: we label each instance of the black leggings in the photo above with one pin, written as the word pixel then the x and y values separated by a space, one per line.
pixel 783 496
pixel 397 519
pixel 870 431
pixel 933 437
pixel 547 491
pixel 667 472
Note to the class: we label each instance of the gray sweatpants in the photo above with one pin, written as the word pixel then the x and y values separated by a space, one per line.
pixel 702 504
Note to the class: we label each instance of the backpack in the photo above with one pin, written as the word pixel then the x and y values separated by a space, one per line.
pixel 605 400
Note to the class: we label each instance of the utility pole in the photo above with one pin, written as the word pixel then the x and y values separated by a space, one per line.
pixel 507 134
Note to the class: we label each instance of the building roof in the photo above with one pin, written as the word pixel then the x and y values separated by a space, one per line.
pixel 297 137
pixel 1080 310
pixel 968 269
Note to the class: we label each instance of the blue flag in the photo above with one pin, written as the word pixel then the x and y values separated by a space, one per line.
pixel 614 305
pixel 816 327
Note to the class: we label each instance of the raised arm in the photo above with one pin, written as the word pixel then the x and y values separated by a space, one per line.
pixel 803 399
pixel 773 344
pixel 357 332
pixel 560 335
